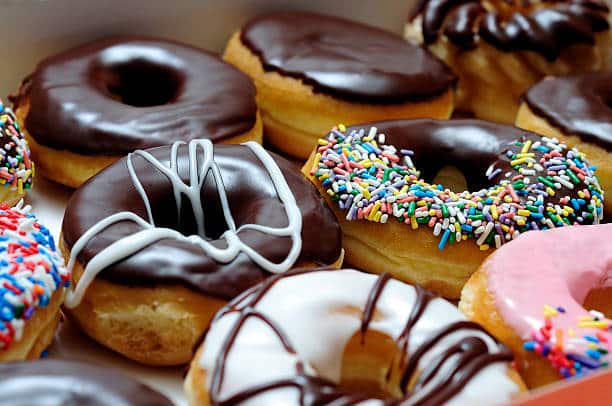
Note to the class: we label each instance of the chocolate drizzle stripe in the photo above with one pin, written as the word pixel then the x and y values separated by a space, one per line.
pixel 371 302
pixel 249 300
pixel 472 353
pixel 412 365
pixel 217 378
pixel 547 30
pixel 344 59
pixel 459 28
pixel 423 297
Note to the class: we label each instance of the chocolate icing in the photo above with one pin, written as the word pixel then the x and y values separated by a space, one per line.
pixel 577 105
pixel 168 92
pixel 252 199
pixel 347 60
pixel 55 383
pixel 449 372
pixel 546 30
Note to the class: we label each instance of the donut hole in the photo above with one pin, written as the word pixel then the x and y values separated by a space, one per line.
pixel 141 84
pixel 367 366
pixel 452 178
pixel 185 222
pixel 599 299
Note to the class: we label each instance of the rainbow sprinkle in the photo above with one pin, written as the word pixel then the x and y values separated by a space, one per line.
pixel 569 353
pixel 372 181
pixel 16 168
pixel 30 270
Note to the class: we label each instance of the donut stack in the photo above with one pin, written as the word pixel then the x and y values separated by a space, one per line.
pixel 188 242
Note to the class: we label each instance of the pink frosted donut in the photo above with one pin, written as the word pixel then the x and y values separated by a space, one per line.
pixel 533 294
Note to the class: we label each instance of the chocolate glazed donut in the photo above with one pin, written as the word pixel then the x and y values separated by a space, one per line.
pixel 350 61
pixel 114 96
pixel 55 383
pixel 313 71
pixel 166 236
pixel 577 104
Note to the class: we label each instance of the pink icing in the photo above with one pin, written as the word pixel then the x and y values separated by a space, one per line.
pixel 557 268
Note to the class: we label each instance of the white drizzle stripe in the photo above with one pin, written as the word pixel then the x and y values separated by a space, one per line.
pixel 150 234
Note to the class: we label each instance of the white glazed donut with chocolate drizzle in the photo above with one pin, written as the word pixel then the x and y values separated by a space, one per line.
pixel 345 337
pixel 193 226
pixel 499 48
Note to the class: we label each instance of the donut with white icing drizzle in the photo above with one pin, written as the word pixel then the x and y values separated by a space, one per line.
pixel 346 337
pixel 208 222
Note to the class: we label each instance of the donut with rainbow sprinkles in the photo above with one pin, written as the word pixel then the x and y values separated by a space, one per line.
pixel 382 180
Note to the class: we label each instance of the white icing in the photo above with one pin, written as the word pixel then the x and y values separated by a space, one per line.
pixel 308 309
pixel 149 234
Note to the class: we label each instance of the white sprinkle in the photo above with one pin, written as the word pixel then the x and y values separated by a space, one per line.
pixel 408 161
pixel 372 132
pixel 460 216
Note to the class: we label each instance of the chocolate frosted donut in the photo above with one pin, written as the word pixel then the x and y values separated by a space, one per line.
pixel 113 96
pixel 58 383
pixel 499 48
pixel 579 105
pixel 576 109
pixel 354 62
pixel 210 223
pixel 313 71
